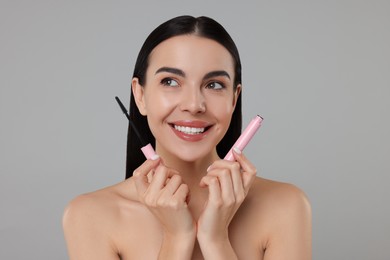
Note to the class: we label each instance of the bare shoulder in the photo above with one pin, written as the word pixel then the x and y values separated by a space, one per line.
pixel 286 213
pixel 279 195
pixel 279 202
pixel 89 207
pixel 87 211
pixel 91 221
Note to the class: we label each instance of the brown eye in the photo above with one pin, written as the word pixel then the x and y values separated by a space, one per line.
pixel 169 82
pixel 215 85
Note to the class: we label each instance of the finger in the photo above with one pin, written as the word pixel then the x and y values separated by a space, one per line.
pixel 226 184
pixel 140 175
pixel 171 173
pixel 217 164
pixel 172 184
pixel 237 180
pixel 167 197
pixel 159 179
pixel 248 169
pixel 220 164
pixel 214 189
pixel 236 175
pixel 182 193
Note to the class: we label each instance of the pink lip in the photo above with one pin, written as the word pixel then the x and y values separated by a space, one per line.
pixel 190 123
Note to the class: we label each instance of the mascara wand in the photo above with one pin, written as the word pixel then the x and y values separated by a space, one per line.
pixel 131 122
pixel 147 149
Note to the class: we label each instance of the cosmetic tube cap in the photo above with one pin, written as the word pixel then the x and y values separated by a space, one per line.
pixel 148 151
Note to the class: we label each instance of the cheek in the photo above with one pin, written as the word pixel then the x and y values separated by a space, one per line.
pixel 221 107
pixel 159 105
pixel 222 110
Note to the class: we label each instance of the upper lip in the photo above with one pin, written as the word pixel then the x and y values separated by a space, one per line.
pixel 191 123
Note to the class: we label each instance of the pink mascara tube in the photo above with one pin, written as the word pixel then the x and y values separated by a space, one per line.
pixel 245 137
pixel 147 149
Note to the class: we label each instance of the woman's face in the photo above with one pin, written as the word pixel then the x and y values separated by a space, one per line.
pixel 188 96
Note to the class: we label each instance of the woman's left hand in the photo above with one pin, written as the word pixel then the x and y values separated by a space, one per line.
pixel 228 184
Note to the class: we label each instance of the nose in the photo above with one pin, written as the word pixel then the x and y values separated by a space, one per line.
pixel 193 101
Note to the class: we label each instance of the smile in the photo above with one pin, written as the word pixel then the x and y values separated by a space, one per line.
pixel 189 130
pixel 192 131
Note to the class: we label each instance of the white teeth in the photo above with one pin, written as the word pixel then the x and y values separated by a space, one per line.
pixel 189 130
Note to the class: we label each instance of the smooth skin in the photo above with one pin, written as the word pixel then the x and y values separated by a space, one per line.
pixel 188 203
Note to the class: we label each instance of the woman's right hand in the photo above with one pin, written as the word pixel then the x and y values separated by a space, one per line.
pixel 162 191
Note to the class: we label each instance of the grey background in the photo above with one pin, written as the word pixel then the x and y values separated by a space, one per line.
pixel 318 71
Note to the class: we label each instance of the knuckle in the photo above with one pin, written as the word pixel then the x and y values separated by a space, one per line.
pixel 173 171
pixel 162 170
pixel 236 166
pixel 213 180
pixel 136 173
pixel 174 204
pixel 225 173
pixel 252 172
pixel 184 187
pixel 230 202
pixel 177 178
pixel 162 203
pixel 149 201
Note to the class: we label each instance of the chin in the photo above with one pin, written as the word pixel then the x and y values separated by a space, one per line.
pixel 189 156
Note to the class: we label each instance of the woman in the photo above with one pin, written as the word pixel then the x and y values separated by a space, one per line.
pixel 187 203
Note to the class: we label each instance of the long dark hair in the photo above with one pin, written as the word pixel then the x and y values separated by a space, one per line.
pixel 201 26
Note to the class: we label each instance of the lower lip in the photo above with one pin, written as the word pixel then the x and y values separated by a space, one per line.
pixel 188 137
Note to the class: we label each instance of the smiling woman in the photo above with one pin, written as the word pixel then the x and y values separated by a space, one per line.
pixel 188 86
pixel 186 100
pixel 202 27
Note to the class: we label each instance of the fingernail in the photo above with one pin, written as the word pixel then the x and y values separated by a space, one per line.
pixel 236 150
pixel 208 168
pixel 154 157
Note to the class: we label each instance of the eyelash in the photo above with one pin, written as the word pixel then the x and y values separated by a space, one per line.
pixel 214 83
pixel 168 81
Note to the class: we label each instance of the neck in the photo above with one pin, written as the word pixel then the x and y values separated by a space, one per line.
pixel 190 171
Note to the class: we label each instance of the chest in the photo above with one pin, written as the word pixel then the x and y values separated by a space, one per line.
pixel 142 238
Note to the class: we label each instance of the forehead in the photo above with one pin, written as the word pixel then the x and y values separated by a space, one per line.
pixel 191 53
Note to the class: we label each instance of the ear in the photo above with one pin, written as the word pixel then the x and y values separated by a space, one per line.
pixel 139 95
pixel 237 93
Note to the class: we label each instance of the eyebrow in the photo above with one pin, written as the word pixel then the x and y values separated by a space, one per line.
pixel 179 72
pixel 217 73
